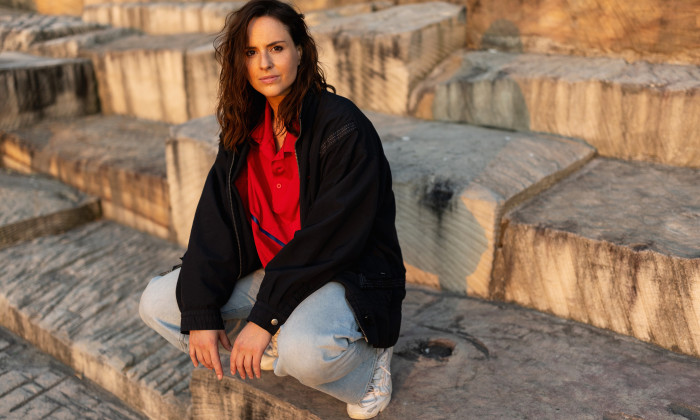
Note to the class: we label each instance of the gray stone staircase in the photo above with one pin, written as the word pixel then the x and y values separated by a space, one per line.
pixel 523 210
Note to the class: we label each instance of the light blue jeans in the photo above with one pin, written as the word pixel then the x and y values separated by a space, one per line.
pixel 320 344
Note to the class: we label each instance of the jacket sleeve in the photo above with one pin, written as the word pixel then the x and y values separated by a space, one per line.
pixel 336 227
pixel 212 261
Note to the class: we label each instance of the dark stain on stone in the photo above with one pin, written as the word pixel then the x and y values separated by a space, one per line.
pixel 686 410
pixel 437 197
pixel 436 349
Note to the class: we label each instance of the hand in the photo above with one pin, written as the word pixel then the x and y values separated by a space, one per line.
pixel 204 347
pixel 248 350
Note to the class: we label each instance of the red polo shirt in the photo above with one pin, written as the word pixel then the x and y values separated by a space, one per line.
pixel 269 187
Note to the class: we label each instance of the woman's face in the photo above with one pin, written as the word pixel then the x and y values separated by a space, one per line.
pixel 271 58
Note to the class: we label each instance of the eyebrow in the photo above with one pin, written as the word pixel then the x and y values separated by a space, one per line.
pixel 270 44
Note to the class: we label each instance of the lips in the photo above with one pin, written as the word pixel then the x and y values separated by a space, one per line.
pixel 268 79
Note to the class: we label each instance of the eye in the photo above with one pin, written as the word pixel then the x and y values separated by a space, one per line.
pixel 277 48
pixel 249 53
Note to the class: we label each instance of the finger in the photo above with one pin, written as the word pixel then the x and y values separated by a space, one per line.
pixel 248 365
pixel 216 361
pixel 256 364
pixel 232 362
pixel 239 366
pixel 193 356
pixel 206 360
pixel 224 340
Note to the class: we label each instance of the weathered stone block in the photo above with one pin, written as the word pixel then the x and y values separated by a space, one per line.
pixel 452 184
pixel 160 18
pixel 34 206
pixel 18 31
pixel 615 246
pixel 189 154
pixel 118 159
pixel 630 111
pixel 145 76
pixel 72 46
pixel 34 88
pixel 650 30
pixel 377 59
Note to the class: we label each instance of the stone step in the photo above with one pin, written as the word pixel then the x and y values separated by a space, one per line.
pixel 173 17
pixel 75 296
pixel 377 59
pixel 34 206
pixel 452 184
pixel 18 31
pixel 37 386
pixel 616 246
pixel 171 78
pixel 163 18
pixel 459 358
pixel 118 159
pixel 633 111
pixel 653 30
pixel 34 88
pixel 174 78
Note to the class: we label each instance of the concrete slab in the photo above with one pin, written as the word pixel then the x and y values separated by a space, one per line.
pixel 162 18
pixel 452 184
pixel 119 159
pixel 377 59
pixel 617 246
pixel 460 358
pixel 630 111
pixel 36 386
pixel 145 76
pixel 34 88
pixel 34 206
pixel 75 296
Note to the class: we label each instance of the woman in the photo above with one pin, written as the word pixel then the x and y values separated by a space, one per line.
pixel 301 188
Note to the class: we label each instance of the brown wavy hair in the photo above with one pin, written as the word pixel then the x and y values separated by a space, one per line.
pixel 240 107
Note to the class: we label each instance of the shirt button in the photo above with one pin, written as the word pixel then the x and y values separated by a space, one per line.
pixel 274 321
pixel 279 186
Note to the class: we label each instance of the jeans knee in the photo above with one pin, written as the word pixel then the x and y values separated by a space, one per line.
pixel 314 360
pixel 147 304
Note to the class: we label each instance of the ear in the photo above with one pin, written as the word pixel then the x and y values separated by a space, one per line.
pixel 299 51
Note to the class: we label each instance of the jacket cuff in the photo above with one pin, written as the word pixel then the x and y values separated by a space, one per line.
pixel 265 318
pixel 205 319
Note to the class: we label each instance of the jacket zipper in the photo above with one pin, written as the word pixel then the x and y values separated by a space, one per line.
pixel 233 218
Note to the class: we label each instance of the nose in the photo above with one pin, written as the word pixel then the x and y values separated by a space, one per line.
pixel 265 60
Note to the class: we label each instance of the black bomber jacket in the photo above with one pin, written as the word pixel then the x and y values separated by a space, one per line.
pixel 347 233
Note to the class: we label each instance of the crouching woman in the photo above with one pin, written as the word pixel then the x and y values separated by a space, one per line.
pixel 294 230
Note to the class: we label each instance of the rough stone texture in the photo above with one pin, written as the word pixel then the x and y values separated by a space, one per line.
pixel 33 206
pixel 649 30
pixel 317 17
pixel 118 159
pixel 201 80
pixel 189 154
pixel 145 76
pixel 376 59
pixel 36 386
pixel 616 246
pixel 630 111
pixel 506 362
pixel 18 31
pixel 163 18
pixel 72 46
pixel 75 296
pixel 34 88
pixel 452 184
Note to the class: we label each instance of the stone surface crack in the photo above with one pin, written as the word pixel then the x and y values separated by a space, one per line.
pixel 38 394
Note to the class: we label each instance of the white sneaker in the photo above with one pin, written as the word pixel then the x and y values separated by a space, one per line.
pixel 267 361
pixel 379 391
